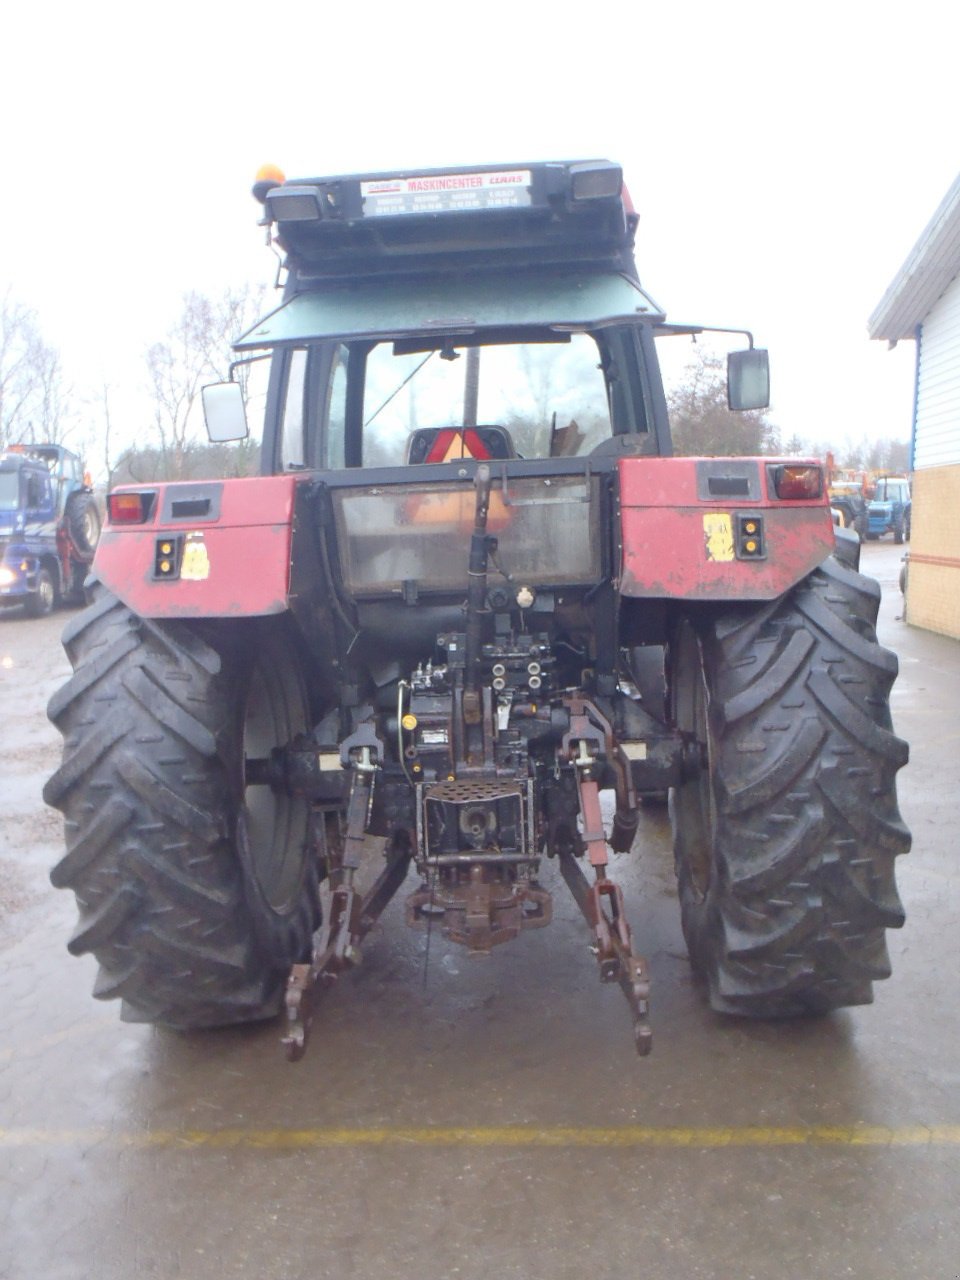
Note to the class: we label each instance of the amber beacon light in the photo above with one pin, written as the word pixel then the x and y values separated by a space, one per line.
pixel 268 177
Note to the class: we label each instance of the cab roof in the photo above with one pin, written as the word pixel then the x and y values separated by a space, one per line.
pixel 568 300
pixel 482 216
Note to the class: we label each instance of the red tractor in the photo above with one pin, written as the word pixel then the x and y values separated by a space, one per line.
pixel 470 591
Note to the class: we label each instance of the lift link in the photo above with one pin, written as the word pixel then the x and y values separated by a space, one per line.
pixel 349 918
pixel 602 902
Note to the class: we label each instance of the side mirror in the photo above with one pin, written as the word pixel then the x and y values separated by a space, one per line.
pixel 748 379
pixel 224 412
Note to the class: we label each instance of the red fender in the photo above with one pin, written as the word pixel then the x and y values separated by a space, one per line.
pixel 229 549
pixel 682 542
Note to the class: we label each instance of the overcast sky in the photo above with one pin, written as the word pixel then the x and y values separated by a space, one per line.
pixel 783 158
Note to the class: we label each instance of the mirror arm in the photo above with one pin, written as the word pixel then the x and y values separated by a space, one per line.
pixel 679 330
pixel 235 364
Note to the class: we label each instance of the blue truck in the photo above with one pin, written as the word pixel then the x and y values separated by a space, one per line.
pixel 889 509
pixel 49 527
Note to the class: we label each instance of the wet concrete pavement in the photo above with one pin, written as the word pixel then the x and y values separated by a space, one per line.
pixel 494 1118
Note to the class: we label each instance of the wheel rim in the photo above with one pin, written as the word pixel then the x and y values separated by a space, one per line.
pixel 45 592
pixel 274 824
pixel 91 529
pixel 694 804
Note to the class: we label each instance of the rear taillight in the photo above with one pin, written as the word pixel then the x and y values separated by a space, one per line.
pixel 130 508
pixel 796 483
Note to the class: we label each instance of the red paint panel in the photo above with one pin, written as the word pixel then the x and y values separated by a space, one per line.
pixel 665 545
pixel 672 482
pixel 658 482
pixel 258 500
pixel 249 573
pixel 247 553
pixel 252 500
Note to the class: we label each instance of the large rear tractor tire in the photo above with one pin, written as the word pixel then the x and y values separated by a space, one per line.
pixel 196 891
pixel 786 827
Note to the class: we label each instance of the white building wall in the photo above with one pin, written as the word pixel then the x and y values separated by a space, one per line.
pixel 937 441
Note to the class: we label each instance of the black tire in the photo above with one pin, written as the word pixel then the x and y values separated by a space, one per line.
pixel 786 827
pixel 195 893
pixel 83 525
pixel 898 532
pixel 861 523
pixel 45 598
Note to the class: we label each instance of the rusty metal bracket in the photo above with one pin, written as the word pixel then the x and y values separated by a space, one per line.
pixel 613 945
pixel 481 911
pixel 338 948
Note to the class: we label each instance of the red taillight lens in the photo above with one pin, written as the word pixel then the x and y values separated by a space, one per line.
pixel 797 484
pixel 129 508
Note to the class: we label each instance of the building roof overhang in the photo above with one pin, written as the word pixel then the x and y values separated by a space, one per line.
pixel 931 266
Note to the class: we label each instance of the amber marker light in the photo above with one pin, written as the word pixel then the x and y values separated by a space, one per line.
pixel 750 538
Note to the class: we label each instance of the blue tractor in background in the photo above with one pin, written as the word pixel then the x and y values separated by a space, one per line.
pixel 889 509
pixel 49 527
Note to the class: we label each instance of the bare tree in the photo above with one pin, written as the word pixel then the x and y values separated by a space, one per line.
pixel 33 398
pixel 701 422
pixel 795 445
pixel 106 433
pixel 195 351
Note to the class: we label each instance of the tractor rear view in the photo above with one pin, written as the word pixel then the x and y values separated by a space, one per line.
pixel 472 590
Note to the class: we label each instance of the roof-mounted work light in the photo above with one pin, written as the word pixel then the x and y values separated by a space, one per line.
pixel 294 204
pixel 595 180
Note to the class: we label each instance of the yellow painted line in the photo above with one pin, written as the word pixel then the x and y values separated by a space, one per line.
pixel 625 1136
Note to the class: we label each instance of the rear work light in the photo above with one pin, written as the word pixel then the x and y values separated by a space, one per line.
pixel 595 181
pixel 796 483
pixel 294 203
pixel 130 508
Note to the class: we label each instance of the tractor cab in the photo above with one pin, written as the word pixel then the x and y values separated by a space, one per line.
pixel 503 297
pixel 26 490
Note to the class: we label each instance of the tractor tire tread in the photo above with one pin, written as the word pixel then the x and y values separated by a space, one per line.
pixel 144 788
pixel 805 823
